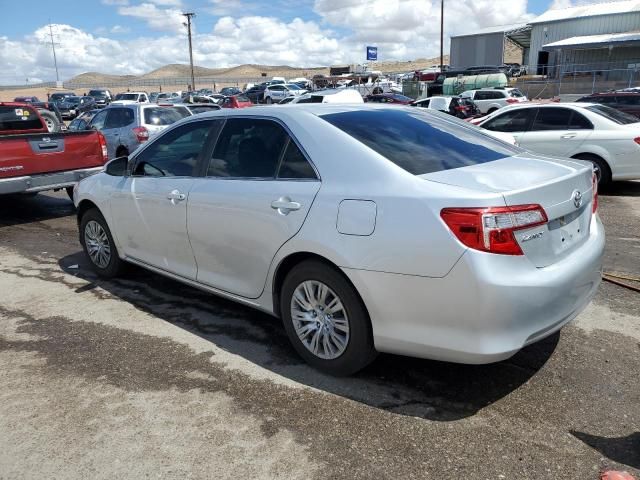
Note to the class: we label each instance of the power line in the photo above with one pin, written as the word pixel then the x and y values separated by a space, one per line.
pixel 189 16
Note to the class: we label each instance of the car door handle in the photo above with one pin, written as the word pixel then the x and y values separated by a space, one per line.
pixel 568 135
pixel 284 205
pixel 175 196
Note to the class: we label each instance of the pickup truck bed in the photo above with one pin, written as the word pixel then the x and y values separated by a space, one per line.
pixel 33 162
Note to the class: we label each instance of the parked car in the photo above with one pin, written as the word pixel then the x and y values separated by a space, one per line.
pixel 236 101
pixel 627 102
pixel 127 126
pixel 33 160
pixel 606 137
pixel 331 95
pixel 275 93
pixel 461 107
pixel 60 96
pixel 131 97
pixel 488 100
pixel 71 107
pixel 27 99
pixel 102 96
pixel 256 93
pixel 307 234
pixel 196 108
pixel 82 121
pixel 486 69
pixel 394 98
pixel 228 91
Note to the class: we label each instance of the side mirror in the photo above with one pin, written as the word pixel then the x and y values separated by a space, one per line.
pixel 117 167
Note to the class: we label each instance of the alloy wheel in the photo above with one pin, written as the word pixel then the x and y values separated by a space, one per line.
pixel 97 243
pixel 320 319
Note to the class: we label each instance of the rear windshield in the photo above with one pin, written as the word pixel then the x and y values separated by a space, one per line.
pixel 516 93
pixel 18 118
pixel 419 141
pixel 614 115
pixel 203 109
pixel 163 115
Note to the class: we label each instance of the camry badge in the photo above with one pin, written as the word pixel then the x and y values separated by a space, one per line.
pixel 577 198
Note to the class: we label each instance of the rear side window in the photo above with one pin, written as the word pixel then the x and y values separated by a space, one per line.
pixel 419 141
pixel 119 117
pixel 552 119
pixel 629 100
pixel 612 114
pixel 18 118
pixel 163 115
pixel 248 148
pixel 295 165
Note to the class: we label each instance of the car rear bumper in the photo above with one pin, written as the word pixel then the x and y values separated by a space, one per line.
pixel 486 309
pixel 48 181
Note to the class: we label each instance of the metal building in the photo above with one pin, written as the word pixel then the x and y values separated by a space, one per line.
pixel 602 36
pixel 487 46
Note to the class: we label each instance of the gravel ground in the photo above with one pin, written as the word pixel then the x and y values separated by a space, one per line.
pixel 143 377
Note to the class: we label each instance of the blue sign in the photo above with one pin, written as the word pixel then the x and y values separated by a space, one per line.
pixel 372 53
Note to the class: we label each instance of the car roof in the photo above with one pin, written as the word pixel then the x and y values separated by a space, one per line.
pixel 613 94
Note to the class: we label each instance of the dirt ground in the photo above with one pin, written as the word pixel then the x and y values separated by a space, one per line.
pixel 142 377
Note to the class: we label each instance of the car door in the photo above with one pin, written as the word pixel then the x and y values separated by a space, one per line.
pixel 516 122
pixel 557 131
pixel 255 196
pixel 118 129
pixel 150 207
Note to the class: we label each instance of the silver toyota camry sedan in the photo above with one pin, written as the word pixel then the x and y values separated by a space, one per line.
pixel 364 228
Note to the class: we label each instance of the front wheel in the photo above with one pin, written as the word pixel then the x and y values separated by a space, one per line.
pixel 98 244
pixel 326 320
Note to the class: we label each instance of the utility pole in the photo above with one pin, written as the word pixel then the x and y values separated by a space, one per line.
pixel 189 16
pixel 441 35
pixel 53 47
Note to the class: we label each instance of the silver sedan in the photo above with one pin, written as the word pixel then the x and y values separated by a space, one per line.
pixel 365 228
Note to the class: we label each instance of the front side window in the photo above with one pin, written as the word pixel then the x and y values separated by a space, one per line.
pixel 176 153
pixel 248 148
pixel 513 121
pixel 418 141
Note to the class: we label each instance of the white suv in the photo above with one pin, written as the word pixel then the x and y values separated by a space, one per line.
pixel 277 92
pixel 489 100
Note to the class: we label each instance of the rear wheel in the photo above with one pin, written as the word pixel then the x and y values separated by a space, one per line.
pixel 325 319
pixel 600 168
pixel 98 244
pixel 269 101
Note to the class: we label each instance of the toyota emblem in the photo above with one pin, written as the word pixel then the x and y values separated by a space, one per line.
pixel 577 198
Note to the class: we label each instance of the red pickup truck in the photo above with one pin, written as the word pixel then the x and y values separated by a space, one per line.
pixel 33 160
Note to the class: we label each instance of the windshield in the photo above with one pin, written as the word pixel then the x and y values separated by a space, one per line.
pixel 293 86
pixel 163 115
pixel 97 93
pixel 72 99
pixel 614 115
pixel 129 96
pixel 418 141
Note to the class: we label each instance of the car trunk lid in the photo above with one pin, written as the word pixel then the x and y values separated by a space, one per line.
pixel 562 187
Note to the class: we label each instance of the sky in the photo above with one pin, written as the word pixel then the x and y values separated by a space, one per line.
pixel 137 36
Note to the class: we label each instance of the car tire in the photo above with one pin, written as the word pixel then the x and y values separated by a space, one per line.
pixel 51 121
pixel 268 101
pixel 346 329
pixel 95 233
pixel 600 168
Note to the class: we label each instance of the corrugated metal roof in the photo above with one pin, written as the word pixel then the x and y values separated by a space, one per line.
pixel 586 41
pixel 594 10
pixel 494 29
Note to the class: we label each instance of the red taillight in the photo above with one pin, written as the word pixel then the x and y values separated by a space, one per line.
pixel 512 100
pixel 491 229
pixel 637 140
pixel 103 147
pixel 594 203
pixel 461 108
pixel 141 133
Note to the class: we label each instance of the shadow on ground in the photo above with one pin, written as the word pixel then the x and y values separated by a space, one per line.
pixel 625 450
pixel 23 209
pixel 622 189
pixel 429 389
